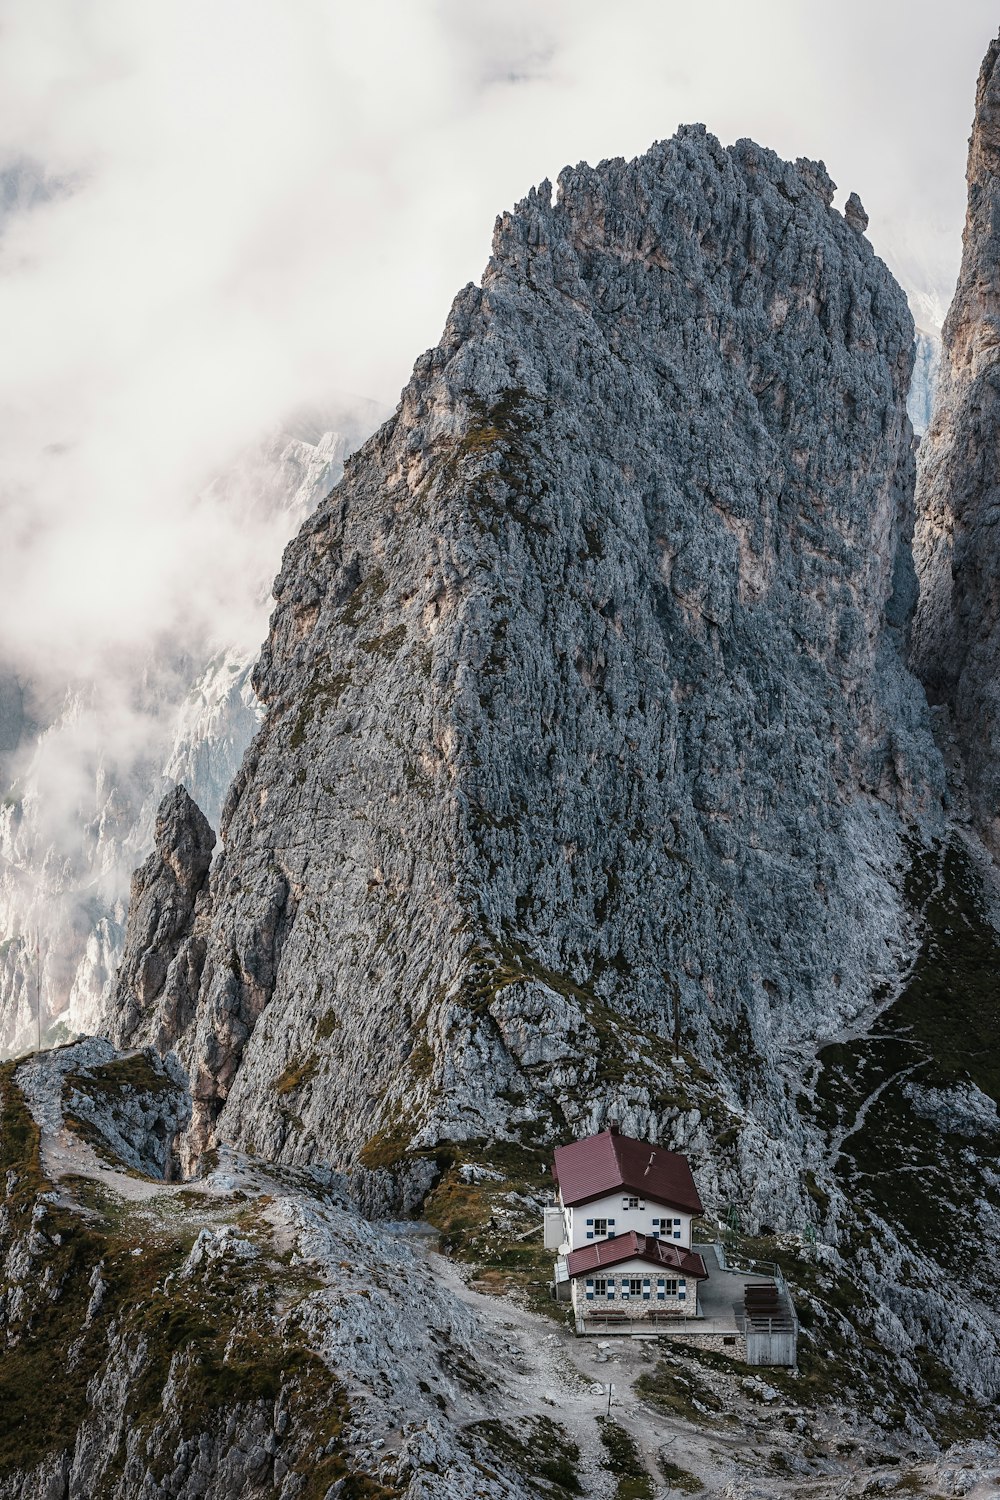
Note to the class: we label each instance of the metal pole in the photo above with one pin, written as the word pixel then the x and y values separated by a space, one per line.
pixel 38 992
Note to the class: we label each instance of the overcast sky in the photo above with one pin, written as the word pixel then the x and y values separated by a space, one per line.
pixel 253 205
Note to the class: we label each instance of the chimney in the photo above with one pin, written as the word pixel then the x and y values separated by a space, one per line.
pixel 613 1126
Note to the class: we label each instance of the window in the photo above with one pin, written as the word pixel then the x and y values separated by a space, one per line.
pixel 635 1286
pixel 600 1286
pixel 630 1203
pixel 600 1226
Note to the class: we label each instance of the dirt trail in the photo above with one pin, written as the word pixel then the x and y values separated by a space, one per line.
pixel 554 1374
pixel 760 1447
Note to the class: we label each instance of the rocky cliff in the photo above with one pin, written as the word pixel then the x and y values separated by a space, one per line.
pixel 591 772
pixel 591 780
pixel 956 635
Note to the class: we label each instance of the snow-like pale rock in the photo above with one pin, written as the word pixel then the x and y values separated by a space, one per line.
pixel 923 385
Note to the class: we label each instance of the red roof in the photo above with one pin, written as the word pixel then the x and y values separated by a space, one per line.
pixel 635 1246
pixel 604 1163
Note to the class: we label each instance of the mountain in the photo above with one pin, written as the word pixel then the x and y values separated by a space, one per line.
pixel 956 633
pixel 593 783
pixel 84 765
pixel 587 726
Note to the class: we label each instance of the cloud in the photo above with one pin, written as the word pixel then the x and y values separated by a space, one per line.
pixel 252 206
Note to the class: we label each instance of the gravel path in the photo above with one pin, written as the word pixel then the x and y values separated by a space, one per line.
pixel 552 1373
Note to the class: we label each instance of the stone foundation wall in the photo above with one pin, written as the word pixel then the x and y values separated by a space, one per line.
pixel 733 1345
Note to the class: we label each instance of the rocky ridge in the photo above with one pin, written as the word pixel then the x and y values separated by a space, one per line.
pixel 229 1340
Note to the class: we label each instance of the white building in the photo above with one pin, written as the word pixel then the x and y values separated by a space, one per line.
pixel 622 1230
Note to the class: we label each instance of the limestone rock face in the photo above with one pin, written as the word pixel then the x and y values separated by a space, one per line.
pixel 589 754
pixel 131 1109
pixel 854 213
pixel 956 634
pixel 161 964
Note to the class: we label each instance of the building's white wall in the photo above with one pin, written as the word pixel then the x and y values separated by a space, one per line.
pixel 625 1219
pixel 683 1301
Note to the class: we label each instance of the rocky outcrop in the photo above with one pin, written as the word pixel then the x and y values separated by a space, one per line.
pixel 131 1109
pixel 253 1338
pixel 956 633
pixel 157 981
pixel 854 213
pixel 590 761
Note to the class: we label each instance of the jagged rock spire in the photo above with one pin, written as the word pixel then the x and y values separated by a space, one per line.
pixel 157 981
pixel 585 717
pixel 956 633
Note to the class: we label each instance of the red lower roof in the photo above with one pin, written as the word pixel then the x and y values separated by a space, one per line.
pixel 633 1246
pixel 610 1162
